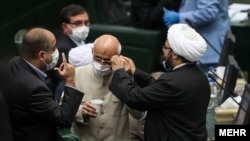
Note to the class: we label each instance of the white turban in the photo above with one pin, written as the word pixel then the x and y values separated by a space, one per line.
pixel 186 42
pixel 81 55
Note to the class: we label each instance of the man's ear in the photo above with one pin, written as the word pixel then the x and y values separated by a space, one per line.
pixel 65 28
pixel 41 55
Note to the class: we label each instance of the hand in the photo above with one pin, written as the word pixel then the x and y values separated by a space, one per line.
pixel 129 65
pixel 126 65
pixel 117 63
pixel 89 109
pixel 66 71
pixel 170 17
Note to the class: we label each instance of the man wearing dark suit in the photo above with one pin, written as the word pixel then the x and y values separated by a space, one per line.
pixel 176 103
pixel 34 113
pixel 5 128
pixel 74 22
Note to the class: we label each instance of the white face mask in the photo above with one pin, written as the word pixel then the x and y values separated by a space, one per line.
pixel 101 70
pixel 79 33
pixel 52 64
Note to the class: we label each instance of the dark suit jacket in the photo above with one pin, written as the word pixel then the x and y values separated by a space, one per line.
pixel 64 44
pixel 5 128
pixel 34 113
pixel 176 102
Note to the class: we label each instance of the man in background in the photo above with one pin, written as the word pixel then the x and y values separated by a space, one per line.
pixel 75 23
pixel 147 14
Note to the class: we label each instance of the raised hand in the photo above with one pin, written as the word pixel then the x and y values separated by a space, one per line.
pixel 129 65
pixel 117 63
pixel 66 71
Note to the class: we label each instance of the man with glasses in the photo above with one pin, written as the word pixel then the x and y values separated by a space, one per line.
pixel 113 122
pixel 75 23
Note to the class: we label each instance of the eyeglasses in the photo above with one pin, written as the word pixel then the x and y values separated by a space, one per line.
pixel 81 23
pixel 164 47
pixel 103 60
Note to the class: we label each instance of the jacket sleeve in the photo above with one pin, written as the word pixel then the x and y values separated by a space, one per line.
pixel 160 94
pixel 43 103
pixel 142 78
pixel 206 12
pixel 136 113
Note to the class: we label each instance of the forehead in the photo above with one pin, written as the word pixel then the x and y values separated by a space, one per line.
pixel 79 17
pixel 105 51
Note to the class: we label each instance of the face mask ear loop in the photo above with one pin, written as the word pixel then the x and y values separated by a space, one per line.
pixel 171 51
pixel 69 26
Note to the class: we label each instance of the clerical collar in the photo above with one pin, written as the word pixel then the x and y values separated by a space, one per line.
pixel 181 65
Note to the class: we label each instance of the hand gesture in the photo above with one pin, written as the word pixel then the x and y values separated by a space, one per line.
pixel 129 65
pixel 66 71
pixel 117 63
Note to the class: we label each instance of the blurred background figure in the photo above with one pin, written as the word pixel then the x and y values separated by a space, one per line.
pixel 148 14
pixel 209 18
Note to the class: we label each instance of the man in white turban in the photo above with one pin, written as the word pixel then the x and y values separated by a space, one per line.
pixel 185 42
pixel 81 56
pixel 176 103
